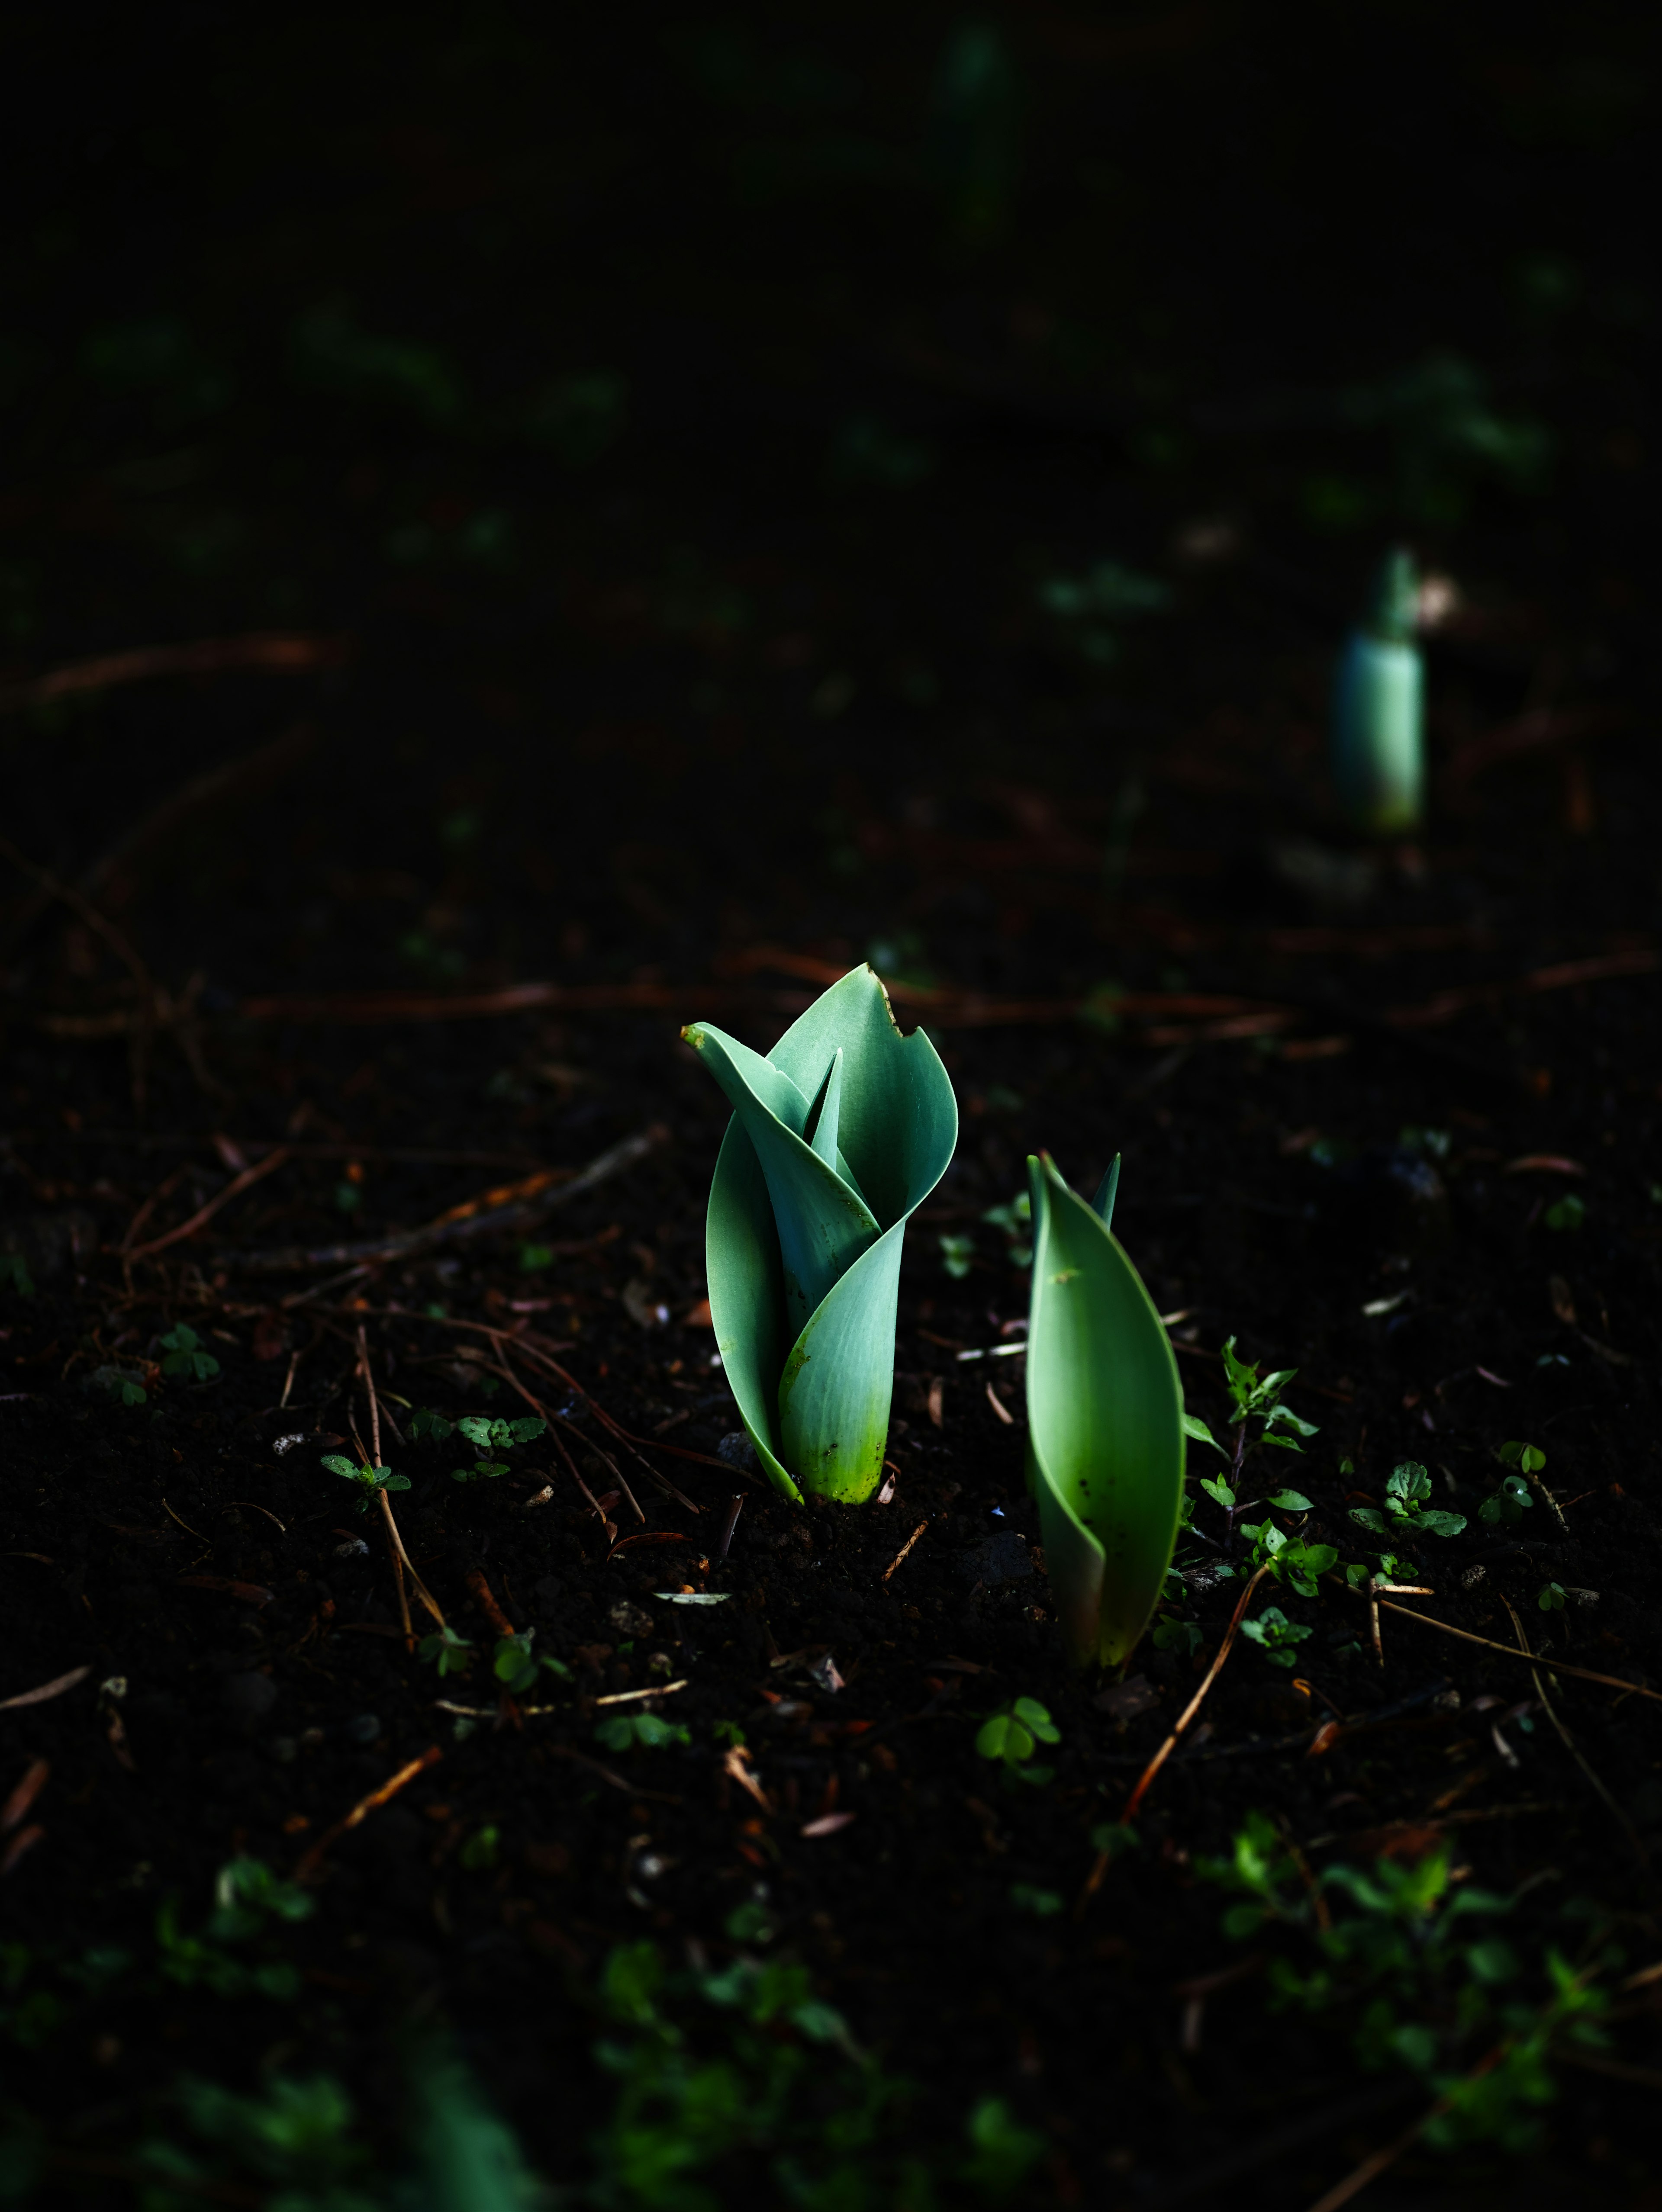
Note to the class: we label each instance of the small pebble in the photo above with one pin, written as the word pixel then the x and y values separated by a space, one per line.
pixel 363 1728
pixel 248 1696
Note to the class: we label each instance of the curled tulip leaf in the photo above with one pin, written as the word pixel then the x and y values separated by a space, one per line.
pixel 838 1134
pixel 1106 1424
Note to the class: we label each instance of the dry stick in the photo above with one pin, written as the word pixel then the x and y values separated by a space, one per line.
pixel 612 1427
pixel 732 1522
pixel 610 1526
pixel 165 1188
pixel 1189 1712
pixel 204 1214
pixel 1562 1667
pixel 287 652
pixel 393 1537
pixel 1622 1821
pixel 904 1548
pixel 1375 2164
pixel 561 1421
pixel 487 1598
pixel 101 925
pixel 306 1871
pixel 373 1460
pixel 551 1417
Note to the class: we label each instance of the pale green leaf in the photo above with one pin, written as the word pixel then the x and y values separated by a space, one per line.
pixel 1105 1427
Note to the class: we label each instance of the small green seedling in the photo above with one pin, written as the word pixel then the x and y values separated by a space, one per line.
pixel 1405 1515
pixel 623 1731
pixel 186 1355
pixel 493 1435
pixel 1568 1213
pixel 14 1275
pixel 370 1480
pixel 1016 1221
pixel 1012 1734
pixel 515 1670
pixel 957 1256
pixel 480 1852
pixel 249 1900
pixel 454 1653
pixel 1254 1397
pixel 1551 1599
pixel 1289 1559
pixel 1512 1499
pixel 728 1732
pixel 1276 1636
pixel 427 1423
pixel 123 1385
pixel 1042 1904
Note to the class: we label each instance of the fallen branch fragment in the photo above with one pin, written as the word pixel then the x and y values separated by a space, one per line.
pixel 287 654
pixel 1558 1666
pixel 904 1548
pixel 311 1863
pixel 204 1214
pixel 52 1689
pixel 512 1208
pixel 1188 1713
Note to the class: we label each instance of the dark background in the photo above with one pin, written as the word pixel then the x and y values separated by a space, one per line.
pixel 766 489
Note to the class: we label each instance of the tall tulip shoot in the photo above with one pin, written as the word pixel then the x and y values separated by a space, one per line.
pixel 1105 1422
pixel 1379 709
pixel 838 1134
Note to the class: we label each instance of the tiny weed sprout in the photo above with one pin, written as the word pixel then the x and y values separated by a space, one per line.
pixel 1042 1904
pixel 480 1852
pixel 837 1136
pixel 1551 1599
pixel 1425 1992
pixel 515 1670
pixel 453 1654
pixel 492 1435
pixel 623 1731
pixel 1406 1514
pixel 369 1479
pixel 1105 1422
pixel 1508 1505
pixel 427 1423
pixel 1012 1734
pixel 184 1355
pixel 1567 1212
pixel 249 1901
pixel 1016 1221
pixel 957 1256
pixel 14 1275
pixel 1379 709
pixel 1276 1636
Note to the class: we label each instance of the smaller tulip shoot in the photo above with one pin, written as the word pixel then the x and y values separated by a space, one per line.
pixel 1105 1422
pixel 1379 708
pixel 838 1134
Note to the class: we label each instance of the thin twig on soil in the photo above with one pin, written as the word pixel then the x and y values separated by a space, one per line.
pixel 735 1509
pixel 1570 1746
pixel 1559 1665
pixel 904 1548
pixel 280 652
pixel 306 1871
pixel 394 1540
pixel 486 1596
pixel 510 1207
pixel 559 1420
pixel 1193 1705
pixel 204 1214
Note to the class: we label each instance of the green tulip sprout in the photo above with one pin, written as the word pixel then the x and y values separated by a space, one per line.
pixel 837 1137
pixel 1379 709
pixel 1104 1422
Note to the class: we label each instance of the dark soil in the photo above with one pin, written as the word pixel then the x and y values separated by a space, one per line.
pixel 679 724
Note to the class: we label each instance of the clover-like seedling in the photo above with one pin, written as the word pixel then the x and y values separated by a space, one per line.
pixel 1551 1599
pixel 623 1731
pixel 1276 1636
pixel 1290 1560
pixel 957 1256
pixel 1568 1213
pixel 1507 1506
pixel 370 1480
pixel 1016 1221
pixel 1407 1487
pixel 454 1653
pixel 514 1666
pixel 489 1436
pixel 424 1422
pixel 186 1355
pixel 1011 1736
